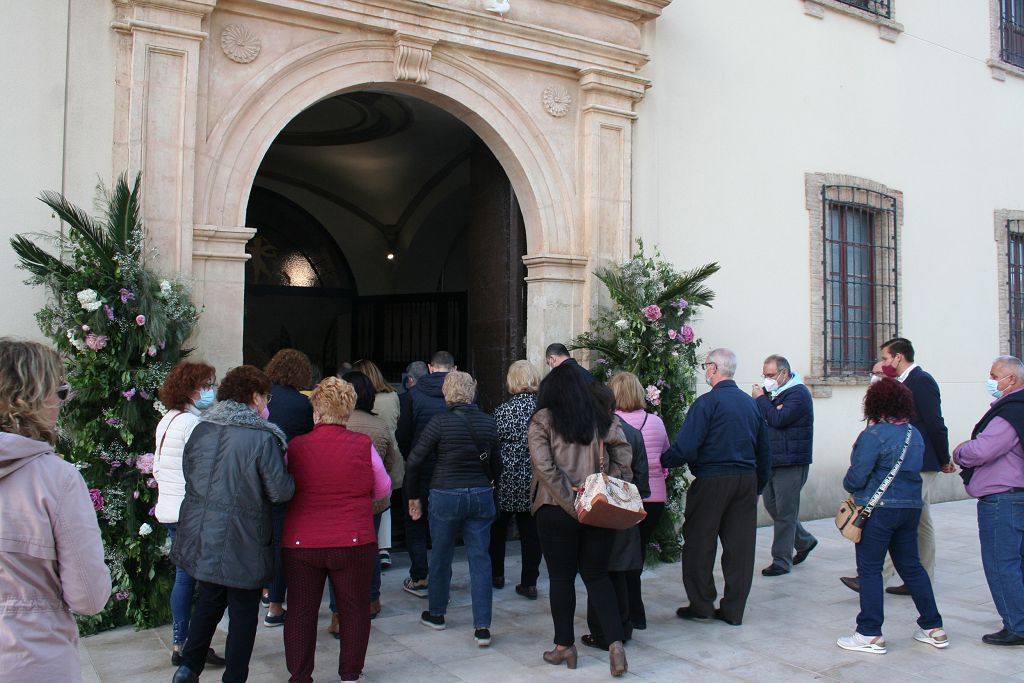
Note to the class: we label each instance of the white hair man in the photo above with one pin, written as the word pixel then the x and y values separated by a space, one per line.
pixel 724 442
pixel 993 469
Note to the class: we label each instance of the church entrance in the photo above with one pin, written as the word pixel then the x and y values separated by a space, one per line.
pixel 386 229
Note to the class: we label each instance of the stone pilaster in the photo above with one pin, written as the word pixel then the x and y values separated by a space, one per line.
pixel 218 263
pixel 554 301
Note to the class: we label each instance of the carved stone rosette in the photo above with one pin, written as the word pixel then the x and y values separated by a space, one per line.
pixel 412 58
pixel 556 101
pixel 239 43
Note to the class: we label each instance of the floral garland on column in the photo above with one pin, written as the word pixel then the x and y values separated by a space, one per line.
pixel 647 331
pixel 120 329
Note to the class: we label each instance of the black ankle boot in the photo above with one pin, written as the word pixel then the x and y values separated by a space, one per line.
pixel 184 675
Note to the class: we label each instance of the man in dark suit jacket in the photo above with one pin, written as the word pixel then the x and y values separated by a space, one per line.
pixel 897 362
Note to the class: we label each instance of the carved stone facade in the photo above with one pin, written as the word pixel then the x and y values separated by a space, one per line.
pixel 196 114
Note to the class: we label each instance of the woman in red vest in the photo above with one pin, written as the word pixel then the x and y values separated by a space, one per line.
pixel 329 530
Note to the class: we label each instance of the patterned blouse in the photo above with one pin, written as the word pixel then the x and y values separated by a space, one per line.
pixel 511 418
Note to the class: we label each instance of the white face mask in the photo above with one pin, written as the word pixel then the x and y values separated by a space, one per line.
pixel 770 384
pixel 875 379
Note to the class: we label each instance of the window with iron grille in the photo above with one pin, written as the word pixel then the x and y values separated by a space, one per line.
pixel 1011 31
pixel 861 276
pixel 1015 285
pixel 881 8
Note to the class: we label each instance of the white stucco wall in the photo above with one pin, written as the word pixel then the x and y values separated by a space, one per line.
pixel 749 96
pixel 57 135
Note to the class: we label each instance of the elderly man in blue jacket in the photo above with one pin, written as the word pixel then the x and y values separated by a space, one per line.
pixel 787 408
pixel 724 442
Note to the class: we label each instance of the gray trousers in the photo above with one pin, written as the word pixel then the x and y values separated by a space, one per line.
pixel 782 500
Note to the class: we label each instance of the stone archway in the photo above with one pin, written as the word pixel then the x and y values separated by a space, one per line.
pixel 555 108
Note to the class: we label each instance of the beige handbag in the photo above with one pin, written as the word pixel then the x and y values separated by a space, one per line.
pixel 608 502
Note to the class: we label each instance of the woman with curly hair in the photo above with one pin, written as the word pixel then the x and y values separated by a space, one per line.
pixel 51 556
pixel 290 372
pixel 187 389
pixel 892 525
pixel 234 472
pixel 337 470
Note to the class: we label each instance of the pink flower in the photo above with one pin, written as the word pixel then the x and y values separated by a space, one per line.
pixel 97 499
pixel 85 328
pixel 129 395
pixel 151 483
pixel 95 342
pixel 109 311
pixel 152 511
pixel 680 303
pixel 653 395
pixel 145 463
pixel 687 333
pixel 135 495
pixel 126 295
pixel 652 312
pixel 144 394
pixel 672 334
pixel 140 320
pixel 122 595
pixel 114 464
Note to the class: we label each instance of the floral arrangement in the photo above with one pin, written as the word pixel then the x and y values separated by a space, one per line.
pixel 120 330
pixel 648 331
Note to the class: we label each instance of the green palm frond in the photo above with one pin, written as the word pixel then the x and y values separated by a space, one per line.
pixel 38 261
pixel 618 285
pixel 90 230
pixel 123 212
pixel 691 287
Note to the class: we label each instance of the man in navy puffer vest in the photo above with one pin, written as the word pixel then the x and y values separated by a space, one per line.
pixel 786 405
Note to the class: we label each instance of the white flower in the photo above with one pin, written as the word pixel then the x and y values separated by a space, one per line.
pixel 165 288
pixel 78 344
pixel 145 529
pixel 621 324
pixel 89 299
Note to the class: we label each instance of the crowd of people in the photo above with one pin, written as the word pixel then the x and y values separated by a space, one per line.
pixel 271 486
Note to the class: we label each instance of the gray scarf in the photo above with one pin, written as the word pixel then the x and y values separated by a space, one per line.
pixel 234 414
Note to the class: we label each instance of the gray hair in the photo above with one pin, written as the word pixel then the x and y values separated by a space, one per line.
pixel 780 363
pixel 1013 365
pixel 417 369
pixel 725 360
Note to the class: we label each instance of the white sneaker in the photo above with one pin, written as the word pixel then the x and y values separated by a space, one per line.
pixel 933 636
pixel 858 643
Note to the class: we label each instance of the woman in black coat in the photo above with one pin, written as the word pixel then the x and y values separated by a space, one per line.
pixel 234 470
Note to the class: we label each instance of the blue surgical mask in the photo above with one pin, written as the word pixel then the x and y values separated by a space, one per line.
pixel 205 399
pixel 993 387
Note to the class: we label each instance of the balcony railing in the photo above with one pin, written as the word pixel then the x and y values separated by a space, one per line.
pixel 1011 38
pixel 881 8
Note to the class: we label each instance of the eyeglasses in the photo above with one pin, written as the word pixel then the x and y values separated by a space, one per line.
pixel 707 364
pixel 270 398
pixel 212 384
pixel 64 392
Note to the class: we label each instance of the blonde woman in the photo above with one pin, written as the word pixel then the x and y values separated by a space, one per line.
pixel 464 441
pixel 513 494
pixel 51 553
pixel 336 470
pixel 630 407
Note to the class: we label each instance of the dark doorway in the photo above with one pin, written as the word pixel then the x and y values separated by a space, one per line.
pixel 386 230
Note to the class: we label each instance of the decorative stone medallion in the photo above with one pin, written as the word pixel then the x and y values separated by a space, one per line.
pixel 556 101
pixel 239 43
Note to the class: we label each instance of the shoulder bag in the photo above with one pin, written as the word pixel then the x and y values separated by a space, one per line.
pixel 851 517
pixel 608 502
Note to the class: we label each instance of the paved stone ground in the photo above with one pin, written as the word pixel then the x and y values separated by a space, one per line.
pixel 788 634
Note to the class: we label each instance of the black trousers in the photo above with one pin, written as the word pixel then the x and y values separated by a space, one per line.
pixel 619 584
pixel 637 613
pixel 528 541
pixel 572 548
pixel 723 508
pixel 243 606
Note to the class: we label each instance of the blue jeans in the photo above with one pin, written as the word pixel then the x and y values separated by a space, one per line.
pixel 472 512
pixel 1001 530
pixel 893 530
pixel 181 597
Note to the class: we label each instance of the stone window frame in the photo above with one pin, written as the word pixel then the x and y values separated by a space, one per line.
pixel 888 28
pixel 997 67
pixel 1000 219
pixel 820 382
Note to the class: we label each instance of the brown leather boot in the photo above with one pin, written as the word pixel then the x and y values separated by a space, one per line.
pixel 335 628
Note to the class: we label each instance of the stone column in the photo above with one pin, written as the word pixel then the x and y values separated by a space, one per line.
pixel 605 184
pixel 554 301
pixel 157 86
pixel 218 266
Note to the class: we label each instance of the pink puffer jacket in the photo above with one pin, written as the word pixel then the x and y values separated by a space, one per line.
pixel 51 562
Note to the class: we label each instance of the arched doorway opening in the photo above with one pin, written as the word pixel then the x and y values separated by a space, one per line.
pixel 386 229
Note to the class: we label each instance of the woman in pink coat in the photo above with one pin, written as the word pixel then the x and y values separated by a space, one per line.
pixel 51 554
